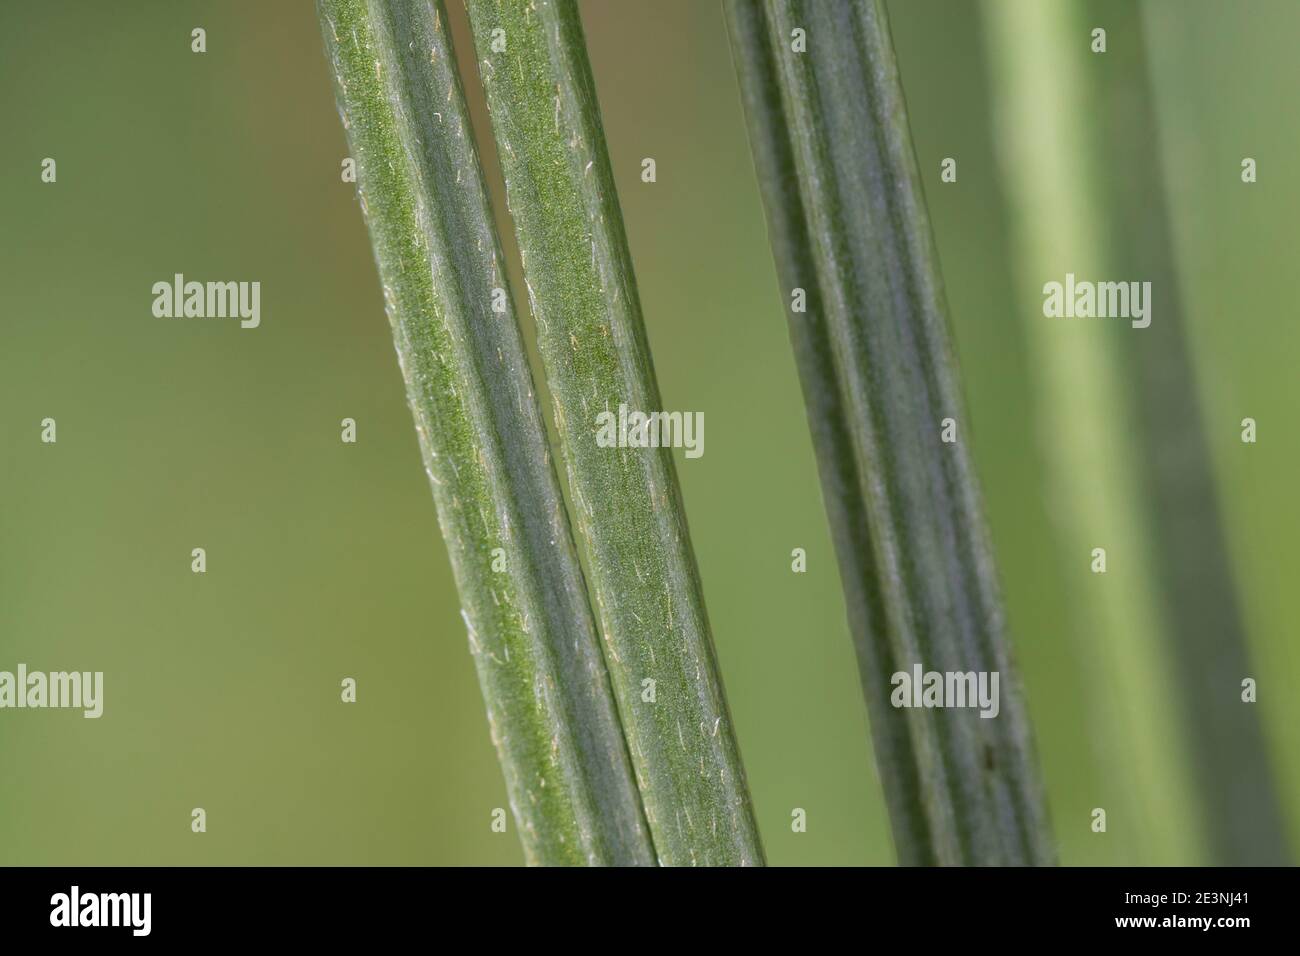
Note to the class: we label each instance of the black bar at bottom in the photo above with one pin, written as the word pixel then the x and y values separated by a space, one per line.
pixel 209 905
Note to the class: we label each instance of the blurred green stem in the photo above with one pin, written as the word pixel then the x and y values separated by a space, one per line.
pixel 560 189
pixel 523 596
pixel 1046 120
pixel 1204 628
pixel 851 234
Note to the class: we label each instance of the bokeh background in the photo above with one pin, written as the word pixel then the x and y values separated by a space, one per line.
pixel 324 559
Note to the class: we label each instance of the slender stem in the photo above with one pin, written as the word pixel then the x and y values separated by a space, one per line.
pixel 1174 611
pixel 523 595
pixel 1038 52
pixel 593 344
pixel 1208 637
pixel 849 227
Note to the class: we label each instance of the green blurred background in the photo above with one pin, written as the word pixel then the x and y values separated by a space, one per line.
pixel 324 559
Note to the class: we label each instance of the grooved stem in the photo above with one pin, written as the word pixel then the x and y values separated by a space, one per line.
pixel 629 513
pixel 849 227
pixel 523 597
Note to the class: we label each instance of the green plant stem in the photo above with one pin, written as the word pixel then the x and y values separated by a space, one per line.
pixel 1174 613
pixel 849 226
pixel 531 631
pixel 593 344
pixel 1208 636
pixel 1041 105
